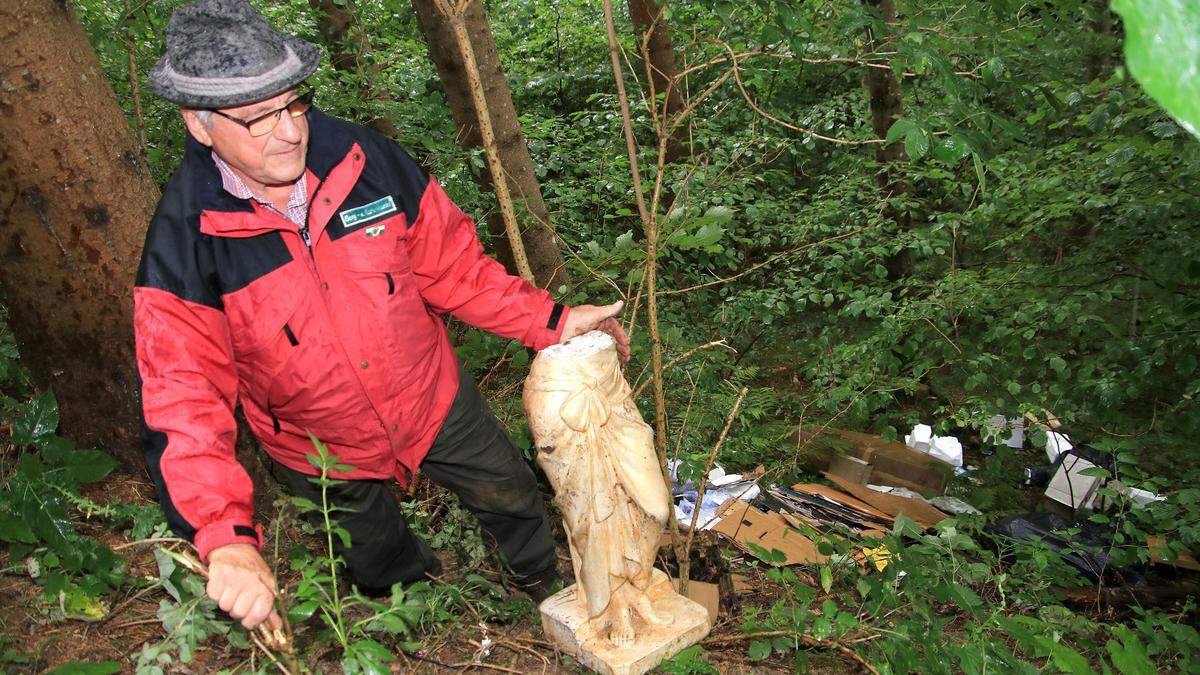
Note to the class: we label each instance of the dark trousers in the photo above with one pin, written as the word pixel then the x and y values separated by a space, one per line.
pixel 474 458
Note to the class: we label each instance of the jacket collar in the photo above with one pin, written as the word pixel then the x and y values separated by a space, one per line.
pixel 224 215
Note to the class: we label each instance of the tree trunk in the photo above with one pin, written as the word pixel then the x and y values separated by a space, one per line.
pixel 541 244
pixel 886 107
pixel 1100 50
pixel 74 203
pixel 647 17
pixel 335 21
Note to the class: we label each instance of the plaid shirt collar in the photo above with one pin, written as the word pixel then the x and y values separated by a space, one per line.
pixel 297 206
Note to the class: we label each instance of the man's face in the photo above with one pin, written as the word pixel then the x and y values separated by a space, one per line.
pixel 273 159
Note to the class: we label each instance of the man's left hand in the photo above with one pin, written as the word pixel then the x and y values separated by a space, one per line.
pixel 584 318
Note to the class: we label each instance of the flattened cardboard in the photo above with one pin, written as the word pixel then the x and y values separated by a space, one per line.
pixel 704 594
pixel 923 513
pixel 1159 552
pixel 745 525
pixel 843 499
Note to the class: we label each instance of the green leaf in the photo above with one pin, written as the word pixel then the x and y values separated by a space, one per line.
pixel 36 419
pixel 916 143
pixel 1058 364
pixel 826 578
pixel 760 649
pixel 15 531
pixel 952 150
pixel 1162 50
pixel 898 130
pixel 89 466
pixel 1129 655
pixel 1066 659
pixel 303 610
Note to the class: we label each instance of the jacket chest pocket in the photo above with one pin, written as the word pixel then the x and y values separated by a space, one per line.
pixel 375 247
pixel 264 327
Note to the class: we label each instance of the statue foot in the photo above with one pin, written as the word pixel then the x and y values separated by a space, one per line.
pixel 621 631
pixel 645 608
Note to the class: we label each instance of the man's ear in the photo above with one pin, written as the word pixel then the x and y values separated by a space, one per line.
pixel 196 128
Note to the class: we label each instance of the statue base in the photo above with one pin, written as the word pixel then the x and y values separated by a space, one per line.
pixel 564 619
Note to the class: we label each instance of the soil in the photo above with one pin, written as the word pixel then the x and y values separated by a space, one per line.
pixel 27 624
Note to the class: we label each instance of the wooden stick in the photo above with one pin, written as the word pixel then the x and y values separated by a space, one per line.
pixel 279 639
pixel 685 563
pixel 807 640
pixel 650 227
pixel 454 16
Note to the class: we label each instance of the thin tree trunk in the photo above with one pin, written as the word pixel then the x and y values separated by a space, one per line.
pixel 886 107
pixel 134 93
pixel 540 242
pixel 1100 51
pixel 335 21
pixel 647 18
pixel 74 205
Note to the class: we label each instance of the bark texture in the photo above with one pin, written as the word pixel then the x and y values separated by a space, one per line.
pixel 886 105
pixel 75 199
pixel 541 244
pixel 647 18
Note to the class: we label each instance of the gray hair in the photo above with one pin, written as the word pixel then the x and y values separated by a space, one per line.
pixel 204 117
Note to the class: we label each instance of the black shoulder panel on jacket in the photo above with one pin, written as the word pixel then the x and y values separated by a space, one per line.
pixel 388 170
pixel 180 259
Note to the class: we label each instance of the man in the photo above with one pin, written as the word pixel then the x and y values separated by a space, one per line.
pixel 300 264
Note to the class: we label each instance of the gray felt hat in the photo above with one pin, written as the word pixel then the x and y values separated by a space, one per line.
pixel 222 53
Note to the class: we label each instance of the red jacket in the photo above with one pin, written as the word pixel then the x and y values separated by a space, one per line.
pixel 344 340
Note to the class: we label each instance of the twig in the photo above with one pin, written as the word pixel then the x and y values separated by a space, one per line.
pixel 737 76
pixel 258 643
pixel 650 227
pixel 764 263
pixel 808 641
pixel 279 639
pixel 474 664
pixel 685 563
pixel 151 540
pixel 939 330
pixel 677 359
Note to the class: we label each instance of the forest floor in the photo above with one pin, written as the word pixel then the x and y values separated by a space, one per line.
pixel 131 622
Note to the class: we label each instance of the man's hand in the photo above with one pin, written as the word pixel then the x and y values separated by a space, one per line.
pixel 240 582
pixel 584 318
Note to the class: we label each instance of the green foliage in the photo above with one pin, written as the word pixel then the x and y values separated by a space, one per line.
pixel 1163 51
pixel 1048 209
pixel 188 617
pixel 38 503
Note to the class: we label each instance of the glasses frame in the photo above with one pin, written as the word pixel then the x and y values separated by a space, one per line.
pixel 305 99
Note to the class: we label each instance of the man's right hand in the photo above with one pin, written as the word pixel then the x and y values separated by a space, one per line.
pixel 241 584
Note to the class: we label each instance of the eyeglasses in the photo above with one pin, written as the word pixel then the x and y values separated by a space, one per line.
pixel 265 123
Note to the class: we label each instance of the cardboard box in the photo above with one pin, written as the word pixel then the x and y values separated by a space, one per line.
pixel 891 463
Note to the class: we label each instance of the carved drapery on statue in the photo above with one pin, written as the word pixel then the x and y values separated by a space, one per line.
pixel 599 456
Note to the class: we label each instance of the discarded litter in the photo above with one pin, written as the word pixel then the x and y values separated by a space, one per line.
pixel 1084 547
pixel 721 487
pixel 1007 431
pixel 954 505
pixel 779 525
pixel 864 458
pixel 946 448
pixel 898 491
pixel 1056 444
